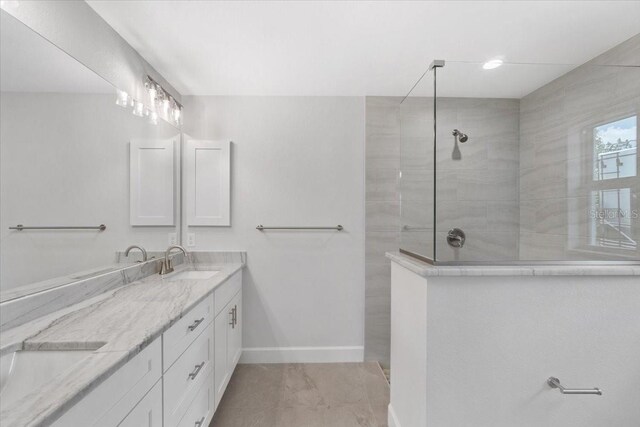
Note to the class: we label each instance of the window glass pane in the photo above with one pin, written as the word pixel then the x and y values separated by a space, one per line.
pixel 611 219
pixel 615 149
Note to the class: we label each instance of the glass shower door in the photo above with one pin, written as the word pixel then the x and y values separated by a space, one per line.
pixel 416 175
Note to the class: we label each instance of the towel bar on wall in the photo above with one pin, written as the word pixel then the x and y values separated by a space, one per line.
pixel 262 227
pixel 553 382
pixel 21 227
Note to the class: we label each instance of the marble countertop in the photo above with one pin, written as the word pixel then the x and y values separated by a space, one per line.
pixel 32 288
pixel 427 270
pixel 117 325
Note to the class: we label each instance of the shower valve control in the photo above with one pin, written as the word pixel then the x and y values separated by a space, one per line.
pixel 456 238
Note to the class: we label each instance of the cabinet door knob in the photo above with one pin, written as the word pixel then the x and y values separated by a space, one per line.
pixel 199 423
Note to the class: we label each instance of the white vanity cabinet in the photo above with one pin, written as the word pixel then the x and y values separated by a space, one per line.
pixel 228 333
pixel 177 380
pixel 148 412
pixel 185 377
pixel 110 402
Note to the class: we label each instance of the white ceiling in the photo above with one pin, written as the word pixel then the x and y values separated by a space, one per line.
pixel 30 63
pixel 363 48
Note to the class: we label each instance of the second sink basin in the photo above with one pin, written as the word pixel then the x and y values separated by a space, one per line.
pixel 22 372
pixel 193 275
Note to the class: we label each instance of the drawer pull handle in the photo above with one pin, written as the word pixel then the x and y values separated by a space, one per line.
pixel 195 324
pixel 199 423
pixel 194 374
pixel 235 315
pixel 233 318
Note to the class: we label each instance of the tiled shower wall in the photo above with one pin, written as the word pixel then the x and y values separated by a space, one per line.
pixel 382 219
pixel 477 190
pixel 556 175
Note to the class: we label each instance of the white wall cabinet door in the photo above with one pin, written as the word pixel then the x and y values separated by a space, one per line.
pixel 207 175
pixel 151 181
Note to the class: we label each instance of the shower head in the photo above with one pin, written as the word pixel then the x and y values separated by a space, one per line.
pixel 462 137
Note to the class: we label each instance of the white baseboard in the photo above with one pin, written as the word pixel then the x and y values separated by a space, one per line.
pixel 302 354
pixel 391 418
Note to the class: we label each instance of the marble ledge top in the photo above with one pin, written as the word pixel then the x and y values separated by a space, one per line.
pixel 117 325
pixel 427 270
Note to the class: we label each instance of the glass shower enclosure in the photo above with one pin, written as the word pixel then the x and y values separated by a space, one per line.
pixel 522 163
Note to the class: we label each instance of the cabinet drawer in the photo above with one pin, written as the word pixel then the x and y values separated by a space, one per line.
pixel 186 376
pixel 147 413
pixel 227 290
pixel 178 337
pixel 201 410
pixel 112 400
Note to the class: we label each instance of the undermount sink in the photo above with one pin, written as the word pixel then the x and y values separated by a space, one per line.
pixel 193 275
pixel 22 372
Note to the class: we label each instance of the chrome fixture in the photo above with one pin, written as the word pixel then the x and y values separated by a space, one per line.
pixel 234 316
pixel 195 324
pixel 162 100
pixel 436 63
pixel 144 252
pixel 21 227
pixel 462 137
pixel 158 99
pixel 456 238
pixel 262 227
pixel 194 374
pixel 553 382
pixel 167 266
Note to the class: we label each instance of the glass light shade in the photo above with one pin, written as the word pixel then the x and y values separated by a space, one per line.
pixel 153 117
pixel 138 109
pixel 122 98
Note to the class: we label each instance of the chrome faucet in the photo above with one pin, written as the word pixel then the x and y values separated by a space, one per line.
pixel 144 252
pixel 167 266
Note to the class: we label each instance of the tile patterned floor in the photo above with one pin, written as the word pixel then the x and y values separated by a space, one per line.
pixel 305 395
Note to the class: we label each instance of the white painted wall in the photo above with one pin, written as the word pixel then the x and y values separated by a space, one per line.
pixel 494 341
pixel 65 161
pixel 295 161
pixel 498 340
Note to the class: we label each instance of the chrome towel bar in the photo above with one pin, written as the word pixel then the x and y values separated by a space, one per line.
pixel 553 382
pixel 262 227
pixel 21 227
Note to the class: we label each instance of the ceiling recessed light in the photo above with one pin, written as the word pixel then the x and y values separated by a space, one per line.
pixel 490 65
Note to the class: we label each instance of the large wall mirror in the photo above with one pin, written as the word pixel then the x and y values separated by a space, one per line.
pixel 65 162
